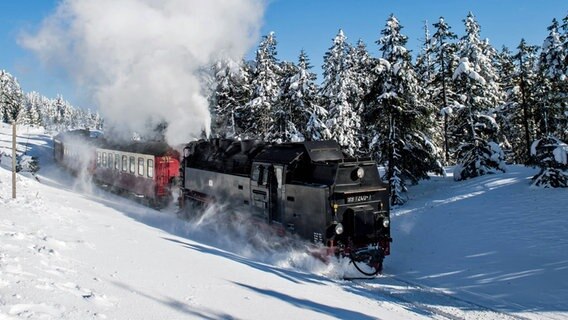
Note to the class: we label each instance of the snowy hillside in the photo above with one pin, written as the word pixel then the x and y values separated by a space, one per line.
pixel 485 248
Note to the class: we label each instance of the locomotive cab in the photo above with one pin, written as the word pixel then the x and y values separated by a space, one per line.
pixel 333 199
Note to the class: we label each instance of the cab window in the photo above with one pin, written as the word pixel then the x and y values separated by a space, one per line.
pixel 259 174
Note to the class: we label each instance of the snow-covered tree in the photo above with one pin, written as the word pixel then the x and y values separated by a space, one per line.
pixel 285 112
pixel 339 95
pixel 400 116
pixel 549 151
pixel 33 106
pixel 424 60
pixel 62 114
pixel 306 119
pixel 442 94
pixel 505 113
pixel 362 64
pixel 11 97
pixel 521 98
pixel 265 90
pixel 33 109
pixel 554 82
pixel 230 94
pixel 477 86
pixel 551 155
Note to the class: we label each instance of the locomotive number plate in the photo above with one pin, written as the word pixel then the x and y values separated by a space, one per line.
pixel 358 198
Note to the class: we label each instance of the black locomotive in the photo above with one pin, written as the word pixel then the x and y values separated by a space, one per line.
pixel 310 189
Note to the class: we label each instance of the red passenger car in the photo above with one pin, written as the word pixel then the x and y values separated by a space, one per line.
pixel 147 170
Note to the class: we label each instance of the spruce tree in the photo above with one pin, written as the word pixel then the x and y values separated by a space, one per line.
pixel 230 94
pixel 339 93
pixel 551 155
pixel 11 97
pixel 306 119
pixel 443 51
pixel 400 116
pixel 284 129
pixel 505 113
pixel 265 91
pixel 33 103
pixel 553 109
pixel 524 95
pixel 477 85
pixel 362 64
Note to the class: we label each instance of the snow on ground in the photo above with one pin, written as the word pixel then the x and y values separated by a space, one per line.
pixel 488 248
pixel 492 239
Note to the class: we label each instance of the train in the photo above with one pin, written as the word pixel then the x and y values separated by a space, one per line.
pixel 307 189
pixel 146 170
pixel 310 189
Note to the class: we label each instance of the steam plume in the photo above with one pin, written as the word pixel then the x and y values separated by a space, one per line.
pixel 139 60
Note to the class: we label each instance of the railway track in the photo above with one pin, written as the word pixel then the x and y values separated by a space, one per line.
pixel 426 301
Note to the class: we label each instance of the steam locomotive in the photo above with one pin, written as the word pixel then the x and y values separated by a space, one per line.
pixel 310 189
pixel 147 170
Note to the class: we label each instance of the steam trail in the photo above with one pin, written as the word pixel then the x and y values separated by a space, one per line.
pixel 139 60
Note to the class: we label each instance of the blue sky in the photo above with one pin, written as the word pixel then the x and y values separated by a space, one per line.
pixel 310 25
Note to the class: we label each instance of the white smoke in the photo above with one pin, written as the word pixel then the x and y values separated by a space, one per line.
pixel 140 60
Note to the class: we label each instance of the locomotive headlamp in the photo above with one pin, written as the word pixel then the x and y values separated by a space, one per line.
pixel 360 173
pixel 339 228
pixel 386 222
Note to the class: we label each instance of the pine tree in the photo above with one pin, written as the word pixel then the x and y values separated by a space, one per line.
pixel 553 109
pixel 362 65
pixel 11 98
pixel 523 99
pixel 424 61
pixel 443 52
pixel 285 112
pixel 339 93
pixel 306 118
pixel 265 90
pixel 34 100
pixel 400 115
pixel 511 135
pixel 477 85
pixel 551 155
pixel 231 93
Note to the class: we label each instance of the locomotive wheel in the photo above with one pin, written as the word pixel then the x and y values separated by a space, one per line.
pixel 372 258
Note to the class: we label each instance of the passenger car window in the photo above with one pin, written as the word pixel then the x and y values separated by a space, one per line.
pixel 150 168
pixel 117 162
pixel 98 159
pixel 104 159
pixel 124 163
pixel 140 166
pixel 110 160
pixel 132 164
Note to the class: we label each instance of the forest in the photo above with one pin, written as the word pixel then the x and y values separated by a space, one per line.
pixel 36 110
pixel 459 102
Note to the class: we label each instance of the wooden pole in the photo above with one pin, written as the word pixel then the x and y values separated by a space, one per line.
pixel 14 159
